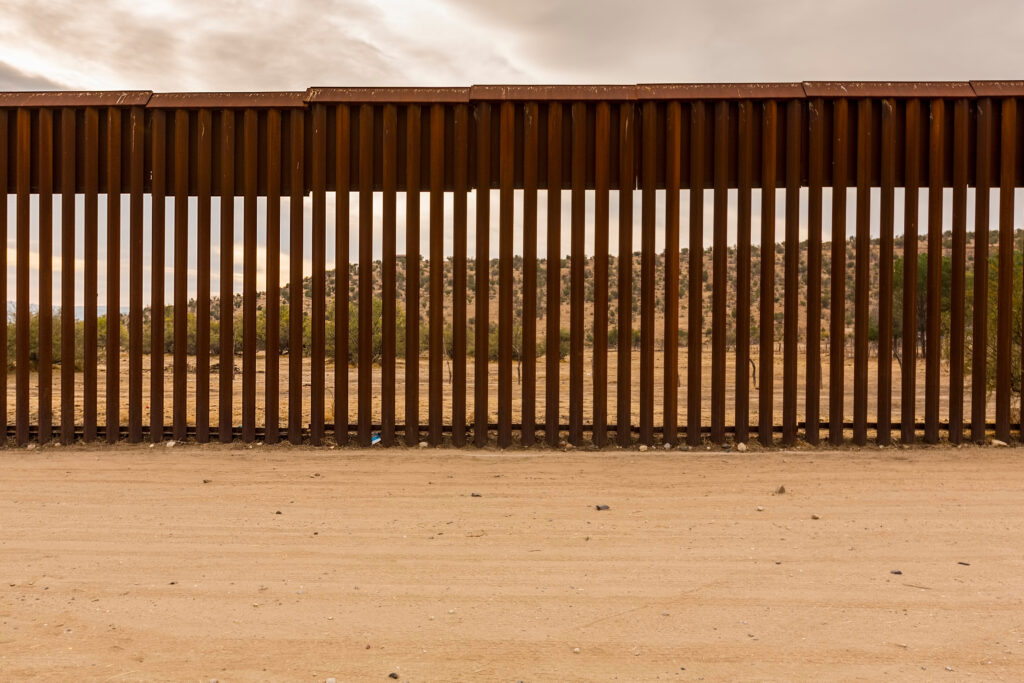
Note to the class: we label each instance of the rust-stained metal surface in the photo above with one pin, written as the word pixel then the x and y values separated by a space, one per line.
pixel 224 100
pixel 367 158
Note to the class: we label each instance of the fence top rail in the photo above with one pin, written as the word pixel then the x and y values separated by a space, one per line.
pixel 898 89
pixel 998 88
pixel 719 91
pixel 387 95
pixel 76 98
pixel 564 93
pixel 227 100
pixel 515 93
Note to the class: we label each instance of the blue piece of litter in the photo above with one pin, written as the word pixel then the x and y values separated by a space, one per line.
pixel 375 439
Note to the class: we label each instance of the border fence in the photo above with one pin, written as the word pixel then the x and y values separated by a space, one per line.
pixel 639 147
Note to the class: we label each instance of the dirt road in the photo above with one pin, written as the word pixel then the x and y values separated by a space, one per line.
pixel 277 563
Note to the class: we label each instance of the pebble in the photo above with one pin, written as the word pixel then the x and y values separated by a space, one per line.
pixel 949 668
pixel 423 444
pixel 815 517
pixel 576 650
pixel 602 507
pixel 278 512
pixel 393 675
pixel 995 442
pixel 760 509
pixel 897 572
pixel 476 495
pixel 207 481
pixel 741 447
pixel 668 446
pixel 31 447
pixel 170 444
pixel 643 448
pixel 780 490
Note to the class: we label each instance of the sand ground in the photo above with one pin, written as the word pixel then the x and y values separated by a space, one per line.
pixel 132 563
pixel 331 402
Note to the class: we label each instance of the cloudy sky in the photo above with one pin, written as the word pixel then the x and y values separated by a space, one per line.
pixel 269 44
pixel 172 45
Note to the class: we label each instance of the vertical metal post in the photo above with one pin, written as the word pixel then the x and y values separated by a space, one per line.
pixel 318 290
pixel 791 303
pixel 673 162
pixel 272 388
pixel 249 237
pixel 365 387
pixel 158 274
pixel 837 309
pixel 389 167
pixel 885 272
pixel 602 171
pixel 1007 173
pixel 227 262
pixel 460 174
pixel 745 144
pixel 44 346
pixel 862 273
pixel 67 267
pixel 181 228
pixel 576 270
pixel 506 218
pixel 531 147
pixel 343 165
pixel 90 284
pixel 766 360
pixel 815 169
pixel 979 327
pixel 911 182
pixel 113 275
pixel 719 266
pixel 648 179
pixel 933 304
pixel 436 362
pixel 959 275
pixel 412 276
pixel 204 171
pixel 554 272
pixel 695 321
pixel 24 248
pixel 627 182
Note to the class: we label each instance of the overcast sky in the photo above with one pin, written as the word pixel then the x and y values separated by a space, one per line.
pixel 172 45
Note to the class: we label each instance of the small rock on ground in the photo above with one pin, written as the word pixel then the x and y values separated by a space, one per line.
pixel 998 442
pixel 741 447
